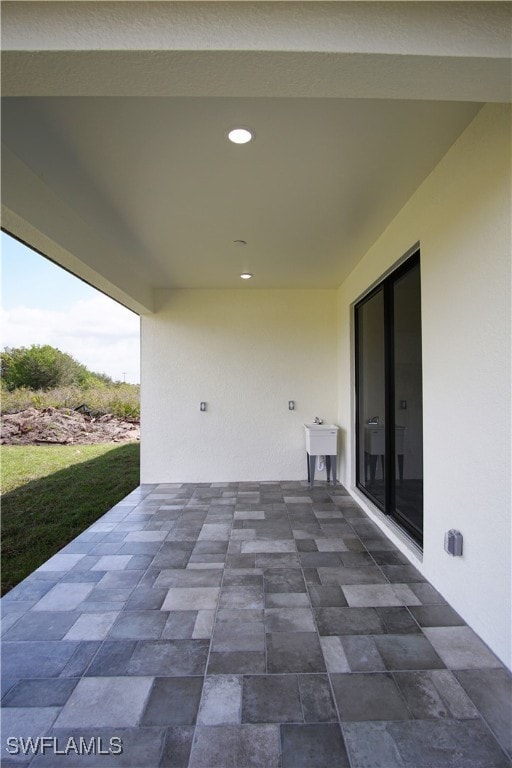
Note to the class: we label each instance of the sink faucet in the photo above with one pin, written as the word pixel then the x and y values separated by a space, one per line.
pixel 318 421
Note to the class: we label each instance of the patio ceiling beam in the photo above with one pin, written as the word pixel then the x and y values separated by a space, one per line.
pixel 436 51
pixel 253 74
pixel 472 29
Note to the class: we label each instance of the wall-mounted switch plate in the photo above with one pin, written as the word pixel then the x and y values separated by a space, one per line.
pixel 202 407
pixel 291 405
pixel 403 405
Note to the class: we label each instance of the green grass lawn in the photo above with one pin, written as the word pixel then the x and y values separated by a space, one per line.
pixel 50 494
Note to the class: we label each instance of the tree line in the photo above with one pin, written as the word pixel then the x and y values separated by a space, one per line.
pixel 43 367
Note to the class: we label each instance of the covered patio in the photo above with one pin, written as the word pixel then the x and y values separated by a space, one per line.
pixel 244 625
pixel 225 614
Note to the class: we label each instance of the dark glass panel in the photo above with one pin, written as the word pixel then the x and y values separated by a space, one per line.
pixel 371 396
pixel 408 475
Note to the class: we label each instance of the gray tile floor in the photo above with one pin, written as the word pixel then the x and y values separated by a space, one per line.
pixel 248 625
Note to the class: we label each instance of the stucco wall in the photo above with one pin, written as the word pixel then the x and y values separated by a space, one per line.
pixel 461 215
pixel 246 353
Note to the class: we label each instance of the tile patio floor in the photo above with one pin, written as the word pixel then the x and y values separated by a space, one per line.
pixel 249 625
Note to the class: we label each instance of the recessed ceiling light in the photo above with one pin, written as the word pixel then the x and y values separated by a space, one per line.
pixel 240 135
pixel 246 275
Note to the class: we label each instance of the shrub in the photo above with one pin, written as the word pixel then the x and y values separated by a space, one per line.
pixel 122 400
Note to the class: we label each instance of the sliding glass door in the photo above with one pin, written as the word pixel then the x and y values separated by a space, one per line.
pixel 389 397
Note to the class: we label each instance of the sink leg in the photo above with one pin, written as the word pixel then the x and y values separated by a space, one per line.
pixel 333 467
pixel 312 462
pixel 328 467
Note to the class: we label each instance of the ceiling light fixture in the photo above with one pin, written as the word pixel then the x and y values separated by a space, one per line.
pixel 240 135
pixel 246 275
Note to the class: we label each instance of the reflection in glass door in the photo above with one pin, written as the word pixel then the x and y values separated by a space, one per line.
pixel 372 396
pixel 389 397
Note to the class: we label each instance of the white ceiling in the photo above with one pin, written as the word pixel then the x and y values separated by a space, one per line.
pixel 115 161
pixel 158 176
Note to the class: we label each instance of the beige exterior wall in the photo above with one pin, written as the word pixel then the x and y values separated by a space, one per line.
pixel 246 353
pixel 461 215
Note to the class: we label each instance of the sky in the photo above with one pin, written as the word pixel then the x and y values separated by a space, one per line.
pixel 44 304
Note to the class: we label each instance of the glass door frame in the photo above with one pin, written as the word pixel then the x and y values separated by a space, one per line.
pixel 389 472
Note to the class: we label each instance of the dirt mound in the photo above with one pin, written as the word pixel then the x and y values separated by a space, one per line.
pixel 64 427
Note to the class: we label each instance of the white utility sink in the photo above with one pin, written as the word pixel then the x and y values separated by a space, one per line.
pixel 321 439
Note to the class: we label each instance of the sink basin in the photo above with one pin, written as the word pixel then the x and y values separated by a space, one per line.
pixel 321 439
